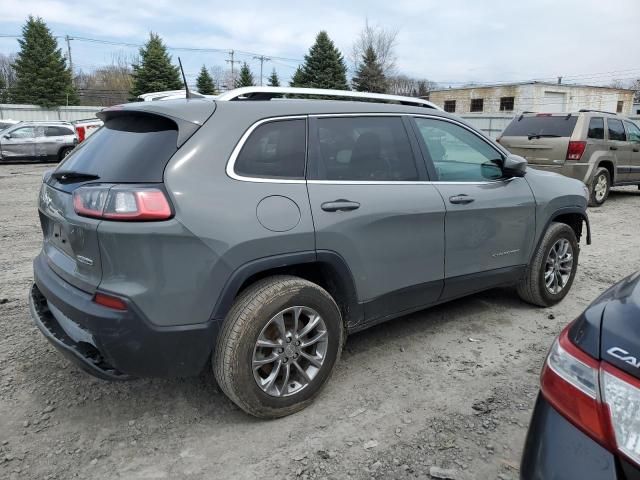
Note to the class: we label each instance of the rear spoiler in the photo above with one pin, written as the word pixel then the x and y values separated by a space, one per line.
pixel 188 115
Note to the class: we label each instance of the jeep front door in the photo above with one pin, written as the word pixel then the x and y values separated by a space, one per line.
pixel 633 136
pixel 490 219
pixel 372 206
pixel 18 143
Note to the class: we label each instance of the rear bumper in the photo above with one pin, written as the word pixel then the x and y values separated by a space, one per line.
pixel 579 171
pixel 556 449
pixel 112 344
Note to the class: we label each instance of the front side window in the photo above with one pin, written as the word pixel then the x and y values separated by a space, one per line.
pixel 596 128
pixel 459 155
pixel 363 149
pixel 477 105
pixel 275 149
pixel 633 131
pixel 616 130
pixel 24 132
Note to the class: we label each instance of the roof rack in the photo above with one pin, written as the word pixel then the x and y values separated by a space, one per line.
pixel 596 111
pixel 268 93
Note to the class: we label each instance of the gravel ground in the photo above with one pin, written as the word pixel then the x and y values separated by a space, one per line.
pixel 442 393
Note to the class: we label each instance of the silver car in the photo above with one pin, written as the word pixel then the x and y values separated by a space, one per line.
pixel 37 141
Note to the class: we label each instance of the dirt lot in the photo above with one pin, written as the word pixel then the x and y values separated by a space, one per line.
pixel 451 387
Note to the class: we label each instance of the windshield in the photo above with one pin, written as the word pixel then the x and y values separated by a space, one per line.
pixel 561 126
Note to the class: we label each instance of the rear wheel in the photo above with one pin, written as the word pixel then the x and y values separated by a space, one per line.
pixel 64 153
pixel 551 273
pixel 600 187
pixel 278 346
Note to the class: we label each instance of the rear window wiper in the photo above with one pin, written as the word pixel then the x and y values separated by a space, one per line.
pixel 542 135
pixel 69 176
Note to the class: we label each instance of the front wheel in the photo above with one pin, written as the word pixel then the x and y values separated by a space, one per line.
pixel 550 275
pixel 278 346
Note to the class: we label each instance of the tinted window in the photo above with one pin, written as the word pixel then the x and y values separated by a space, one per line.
pixel 363 148
pixel 596 128
pixel 274 150
pixel 457 153
pixel 58 131
pixel 541 125
pixel 633 131
pixel 129 148
pixel 616 130
pixel 24 132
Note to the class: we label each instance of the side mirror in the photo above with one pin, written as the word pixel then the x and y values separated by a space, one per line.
pixel 514 166
pixel 7 136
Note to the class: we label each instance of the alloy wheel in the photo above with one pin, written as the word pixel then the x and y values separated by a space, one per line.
pixel 600 188
pixel 290 351
pixel 559 266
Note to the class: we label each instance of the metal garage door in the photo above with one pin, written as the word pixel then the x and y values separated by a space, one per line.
pixel 554 102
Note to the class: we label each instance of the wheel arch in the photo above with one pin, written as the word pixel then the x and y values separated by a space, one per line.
pixel 608 164
pixel 324 268
pixel 574 217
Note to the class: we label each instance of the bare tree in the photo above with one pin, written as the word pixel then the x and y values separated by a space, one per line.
pixel 382 40
pixel 407 86
pixel 6 69
pixel 108 85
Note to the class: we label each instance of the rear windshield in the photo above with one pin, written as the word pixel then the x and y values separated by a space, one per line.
pixel 128 148
pixel 561 126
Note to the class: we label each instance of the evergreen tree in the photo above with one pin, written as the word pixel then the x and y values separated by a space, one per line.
pixel 324 66
pixel 246 77
pixel 274 81
pixel 155 73
pixel 369 75
pixel 42 76
pixel 299 79
pixel 204 82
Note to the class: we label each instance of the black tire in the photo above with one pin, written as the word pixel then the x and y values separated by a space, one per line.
pixel 532 288
pixel 252 310
pixel 601 175
pixel 64 152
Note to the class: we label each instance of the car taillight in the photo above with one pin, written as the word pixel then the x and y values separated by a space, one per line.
pixel 122 203
pixel 109 301
pixel 575 150
pixel 81 133
pixel 596 397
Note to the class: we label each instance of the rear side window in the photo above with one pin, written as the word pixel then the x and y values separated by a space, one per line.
pixel 274 150
pixel 129 148
pixel 616 130
pixel 634 132
pixel 363 149
pixel 522 126
pixel 596 128
pixel 57 131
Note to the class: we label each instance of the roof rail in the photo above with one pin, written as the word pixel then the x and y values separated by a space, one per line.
pixel 597 111
pixel 267 93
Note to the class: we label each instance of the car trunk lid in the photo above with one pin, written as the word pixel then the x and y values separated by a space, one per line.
pixel 541 139
pixel 133 147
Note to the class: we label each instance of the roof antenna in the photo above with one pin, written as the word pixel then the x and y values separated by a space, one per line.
pixel 184 79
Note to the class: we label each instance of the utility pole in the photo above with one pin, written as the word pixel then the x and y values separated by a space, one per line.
pixel 262 59
pixel 232 62
pixel 68 40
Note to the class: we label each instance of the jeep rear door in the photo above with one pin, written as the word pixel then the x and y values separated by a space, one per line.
pixel 620 148
pixel 490 219
pixel 372 205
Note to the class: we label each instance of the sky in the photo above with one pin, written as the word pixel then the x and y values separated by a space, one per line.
pixel 452 42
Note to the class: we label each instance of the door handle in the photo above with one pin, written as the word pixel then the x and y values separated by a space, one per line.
pixel 613 148
pixel 461 199
pixel 340 205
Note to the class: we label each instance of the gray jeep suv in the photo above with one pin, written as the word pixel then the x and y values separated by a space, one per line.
pixel 258 234
pixel 599 148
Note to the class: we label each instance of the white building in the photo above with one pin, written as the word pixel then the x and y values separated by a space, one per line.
pixel 533 97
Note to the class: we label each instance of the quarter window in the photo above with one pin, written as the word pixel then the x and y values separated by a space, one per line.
pixel 596 128
pixel 274 150
pixel 477 104
pixel 362 149
pixel 450 106
pixel 616 130
pixel 458 154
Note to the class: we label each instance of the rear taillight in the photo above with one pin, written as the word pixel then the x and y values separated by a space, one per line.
pixel 596 397
pixel 109 301
pixel 122 203
pixel 575 150
pixel 81 133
